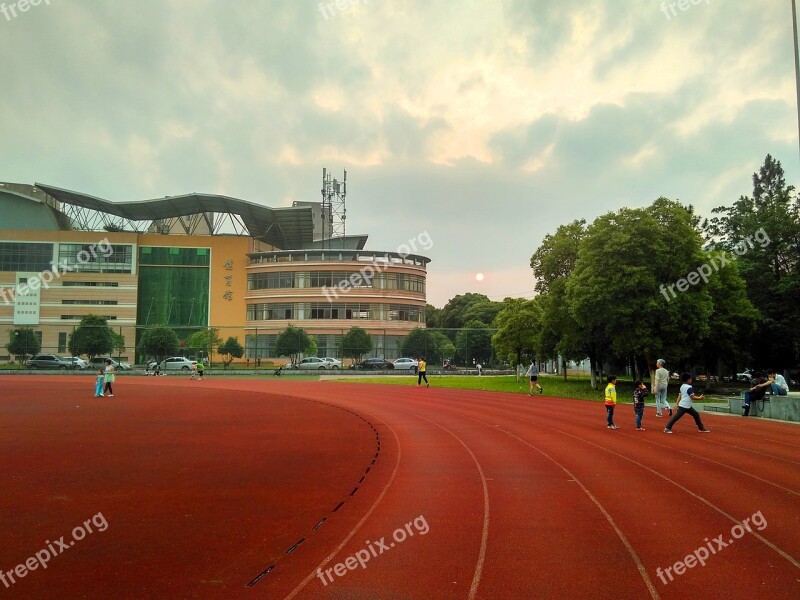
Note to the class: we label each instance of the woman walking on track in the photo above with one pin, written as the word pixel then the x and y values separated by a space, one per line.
pixel 422 369
pixel 660 382
pixel 109 377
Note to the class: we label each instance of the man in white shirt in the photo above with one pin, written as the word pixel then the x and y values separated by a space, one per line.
pixel 777 383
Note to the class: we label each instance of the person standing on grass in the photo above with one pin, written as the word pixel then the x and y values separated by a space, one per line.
pixel 685 405
pixel 109 377
pixel 660 382
pixel 422 372
pixel 533 373
pixel 611 401
pixel 639 393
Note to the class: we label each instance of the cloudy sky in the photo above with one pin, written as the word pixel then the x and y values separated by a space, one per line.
pixel 485 123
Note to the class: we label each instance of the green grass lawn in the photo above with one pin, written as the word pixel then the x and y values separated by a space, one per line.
pixel 554 385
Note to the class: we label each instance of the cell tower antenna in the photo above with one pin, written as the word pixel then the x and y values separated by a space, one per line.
pixel 334 209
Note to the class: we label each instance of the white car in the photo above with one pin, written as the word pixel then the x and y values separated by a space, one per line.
pixel 333 363
pixel 312 363
pixel 178 363
pixel 78 362
pixel 99 362
pixel 406 364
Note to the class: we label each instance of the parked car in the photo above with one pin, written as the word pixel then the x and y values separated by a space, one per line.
pixel 375 363
pixel 78 363
pixel 49 361
pixel 99 362
pixel 745 376
pixel 177 363
pixel 406 364
pixel 313 363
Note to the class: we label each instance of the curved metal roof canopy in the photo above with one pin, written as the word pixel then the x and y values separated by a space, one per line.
pixel 286 228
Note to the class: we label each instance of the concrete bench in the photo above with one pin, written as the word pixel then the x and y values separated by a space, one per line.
pixel 781 408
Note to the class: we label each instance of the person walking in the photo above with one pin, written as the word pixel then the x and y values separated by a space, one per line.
pixel 422 372
pixel 109 377
pixel 533 373
pixel 660 382
pixel 611 401
pixel 685 405
pixel 98 385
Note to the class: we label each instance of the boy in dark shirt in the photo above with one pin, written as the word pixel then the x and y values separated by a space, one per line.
pixel 639 393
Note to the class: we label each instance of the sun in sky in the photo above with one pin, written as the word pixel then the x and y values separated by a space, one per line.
pixel 478 276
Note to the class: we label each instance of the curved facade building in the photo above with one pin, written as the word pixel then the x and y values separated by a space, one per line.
pixel 327 292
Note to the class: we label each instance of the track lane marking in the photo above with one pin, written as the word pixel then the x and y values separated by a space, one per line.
pixel 476 578
pixel 358 526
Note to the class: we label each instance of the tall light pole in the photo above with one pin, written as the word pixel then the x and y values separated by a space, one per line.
pixel 796 66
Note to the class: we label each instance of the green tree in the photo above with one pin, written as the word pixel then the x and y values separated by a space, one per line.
pixel 92 337
pixel 118 342
pixel 616 292
pixel 292 342
pixel 432 316
pixel 425 343
pixel 763 232
pixel 229 350
pixel 204 341
pixel 517 324
pixel 474 341
pixel 159 342
pixel 355 344
pixel 466 307
pixel 23 344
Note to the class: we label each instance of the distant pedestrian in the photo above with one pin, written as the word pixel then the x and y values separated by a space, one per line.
pixel 685 405
pixel 98 385
pixel 639 394
pixel 660 382
pixel 422 372
pixel 479 369
pixel 533 374
pixel 200 370
pixel 109 377
pixel 611 401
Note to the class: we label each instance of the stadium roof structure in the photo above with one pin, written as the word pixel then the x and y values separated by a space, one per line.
pixel 286 228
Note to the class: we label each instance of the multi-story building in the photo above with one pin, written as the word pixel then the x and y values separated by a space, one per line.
pixel 192 262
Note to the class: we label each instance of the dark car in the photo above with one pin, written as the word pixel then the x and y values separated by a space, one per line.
pixel 376 363
pixel 49 361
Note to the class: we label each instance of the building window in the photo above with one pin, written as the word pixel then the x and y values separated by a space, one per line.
pixel 25 256
pixel 62 341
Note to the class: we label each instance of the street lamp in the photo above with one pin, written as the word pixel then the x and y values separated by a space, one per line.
pixel 796 67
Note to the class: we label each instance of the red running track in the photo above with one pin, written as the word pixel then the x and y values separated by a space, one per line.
pixel 280 489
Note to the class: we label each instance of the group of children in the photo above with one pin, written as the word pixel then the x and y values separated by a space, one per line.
pixel 684 404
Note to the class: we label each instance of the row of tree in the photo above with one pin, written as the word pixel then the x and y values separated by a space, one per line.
pixel 93 337
pixel 660 281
